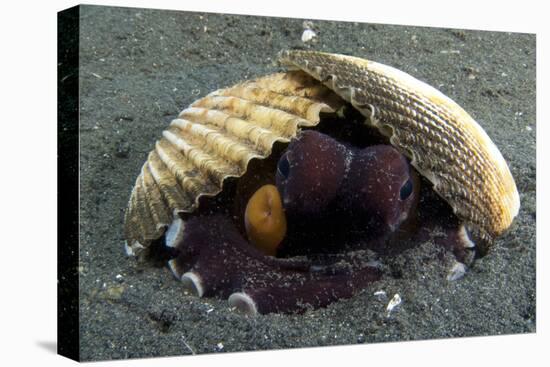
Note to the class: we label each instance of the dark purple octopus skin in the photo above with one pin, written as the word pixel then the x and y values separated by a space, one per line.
pixel 322 182
pixel 219 262
pixel 373 188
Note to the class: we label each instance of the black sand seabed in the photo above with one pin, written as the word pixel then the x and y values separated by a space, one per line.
pixel 139 68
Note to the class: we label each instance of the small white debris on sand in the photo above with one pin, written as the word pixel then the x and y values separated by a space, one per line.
pixel 381 295
pixel 187 345
pixel 308 35
pixel 395 301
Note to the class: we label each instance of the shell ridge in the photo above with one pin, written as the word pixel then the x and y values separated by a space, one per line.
pixel 196 156
pixel 245 133
pixel 299 83
pixel 214 140
pixel 137 218
pixel 292 104
pixel 166 181
pixel 157 209
pixel 181 167
pixel 264 116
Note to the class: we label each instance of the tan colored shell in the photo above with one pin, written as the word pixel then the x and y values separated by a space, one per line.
pixel 218 135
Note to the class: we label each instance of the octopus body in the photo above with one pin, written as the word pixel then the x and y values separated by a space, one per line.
pixel 373 190
pixel 304 199
pixel 364 197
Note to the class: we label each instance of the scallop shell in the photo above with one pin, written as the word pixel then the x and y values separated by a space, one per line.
pixel 218 135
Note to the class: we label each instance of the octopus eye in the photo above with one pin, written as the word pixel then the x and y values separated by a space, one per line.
pixel 406 190
pixel 283 167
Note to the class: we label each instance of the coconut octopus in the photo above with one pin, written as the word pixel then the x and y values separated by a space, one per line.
pixel 270 192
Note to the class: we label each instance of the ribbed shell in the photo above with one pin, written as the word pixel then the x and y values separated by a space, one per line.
pixel 215 138
pixel 445 144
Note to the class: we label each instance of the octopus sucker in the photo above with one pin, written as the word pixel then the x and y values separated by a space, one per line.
pixel 263 192
pixel 193 283
pixel 243 302
pixel 174 233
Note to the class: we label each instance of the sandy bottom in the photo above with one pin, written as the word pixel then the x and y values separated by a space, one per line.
pixel 139 68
